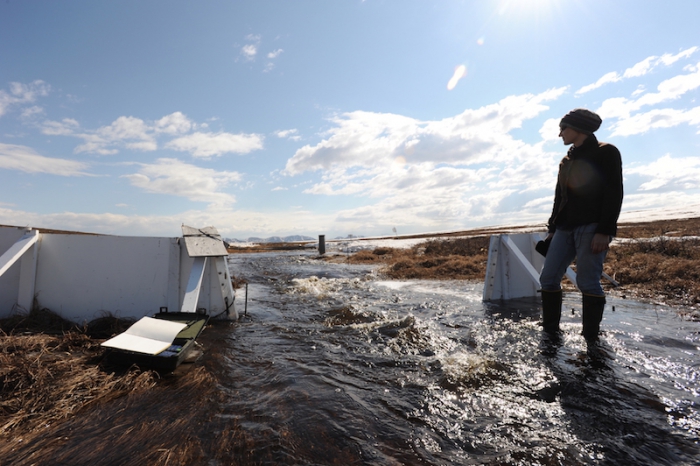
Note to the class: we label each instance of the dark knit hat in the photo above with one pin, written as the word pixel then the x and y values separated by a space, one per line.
pixel 581 120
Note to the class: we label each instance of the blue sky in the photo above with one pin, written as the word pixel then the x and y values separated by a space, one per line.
pixel 334 117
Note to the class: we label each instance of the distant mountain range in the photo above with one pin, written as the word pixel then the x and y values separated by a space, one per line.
pixel 280 239
pixel 271 239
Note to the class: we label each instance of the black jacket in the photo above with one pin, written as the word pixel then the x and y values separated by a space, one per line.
pixel 589 188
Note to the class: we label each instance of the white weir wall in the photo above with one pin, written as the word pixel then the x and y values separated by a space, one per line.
pixel 82 277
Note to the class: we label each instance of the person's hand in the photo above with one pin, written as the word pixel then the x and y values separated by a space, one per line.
pixel 600 243
pixel 549 236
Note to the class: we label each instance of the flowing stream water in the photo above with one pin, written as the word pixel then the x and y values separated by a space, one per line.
pixel 333 365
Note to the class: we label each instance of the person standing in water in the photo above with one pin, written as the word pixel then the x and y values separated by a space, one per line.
pixel 587 204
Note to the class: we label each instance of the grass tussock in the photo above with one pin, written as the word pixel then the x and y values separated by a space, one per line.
pixel 449 259
pixel 661 269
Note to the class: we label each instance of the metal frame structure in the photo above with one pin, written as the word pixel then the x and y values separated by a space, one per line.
pixel 83 276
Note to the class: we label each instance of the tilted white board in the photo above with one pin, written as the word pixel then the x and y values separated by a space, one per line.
pixel 203 242
pixel 148 335
pixel 16 250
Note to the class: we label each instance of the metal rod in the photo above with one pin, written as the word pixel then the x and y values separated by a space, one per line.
pixel 245 310
pixel 321 244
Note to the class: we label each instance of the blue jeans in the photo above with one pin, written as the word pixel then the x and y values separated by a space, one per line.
pixel 566 246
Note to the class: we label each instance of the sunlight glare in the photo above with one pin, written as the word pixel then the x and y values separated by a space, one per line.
pixel 460 72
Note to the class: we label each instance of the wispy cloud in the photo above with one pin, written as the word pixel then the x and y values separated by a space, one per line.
pixel 629 122
pixel 20 93
pixel 288 134
pixel 133 133
pixel 274 54
pixel 669 173
pixel 205 145
pixel 176 178
pixel 639 69
pixel 25 159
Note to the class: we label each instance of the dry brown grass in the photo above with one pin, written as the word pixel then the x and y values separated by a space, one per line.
pixel 62 403
pixel 47 378
pixel 457 259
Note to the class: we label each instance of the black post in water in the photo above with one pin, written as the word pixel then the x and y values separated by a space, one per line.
pixel 321 244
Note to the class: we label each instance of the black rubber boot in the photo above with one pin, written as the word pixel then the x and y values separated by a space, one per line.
pixel 592 315
pixel 551 310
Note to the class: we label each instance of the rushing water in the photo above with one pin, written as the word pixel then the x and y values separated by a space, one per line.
pixel 332 365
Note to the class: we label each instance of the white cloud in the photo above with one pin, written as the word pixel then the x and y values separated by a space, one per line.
pixel 669 90
pixel 669 59
pixel 669 173
pixel 249 51
pixel 32 112
pixel 25 159
pixel 129 132
pixel 437 174
pixel 274 54
pixel 176 178
pixel 21 94
pixel 288 134
pixel 611 77
pixel 550 129
pixel 175 123
pixel 366 139
pixel 654 119
pixel 206 145
pixel 639 69
pixel 136 134
pixel 229 222
pixel 65 127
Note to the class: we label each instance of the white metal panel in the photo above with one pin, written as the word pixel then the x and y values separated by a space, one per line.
pixel 194 285
pixel 174 286
pixel 513 267
pixel 82 276
pixel 490 282
pixel 226 287
pixel 27 276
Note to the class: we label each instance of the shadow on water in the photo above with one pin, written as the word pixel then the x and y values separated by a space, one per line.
pixel 333 365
